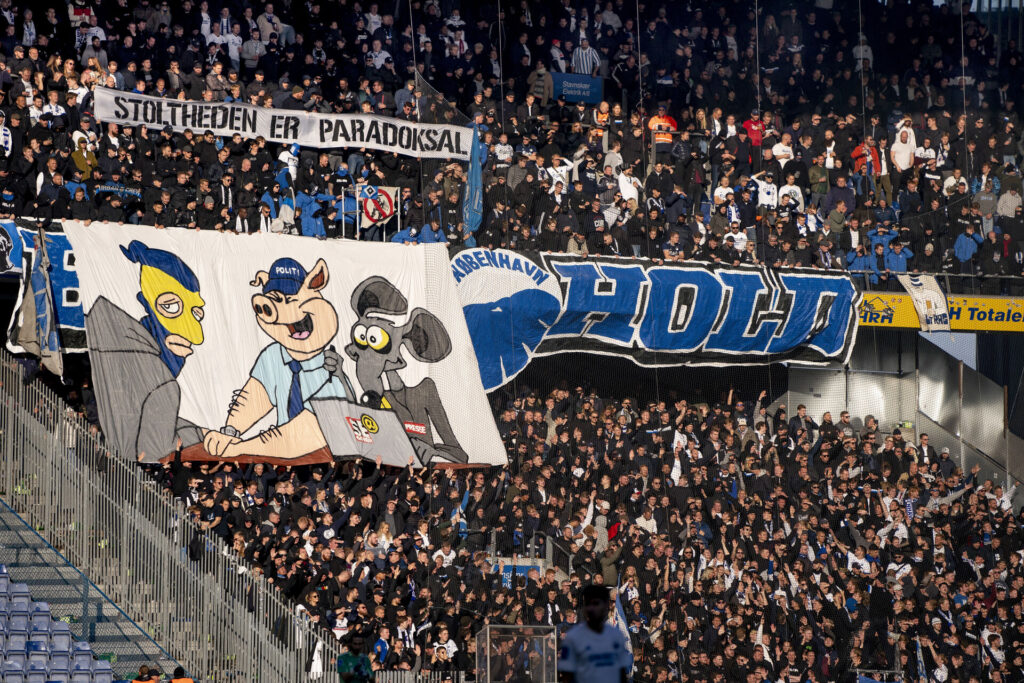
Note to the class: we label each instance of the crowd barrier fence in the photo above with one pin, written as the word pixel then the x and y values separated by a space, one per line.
pixel 125 532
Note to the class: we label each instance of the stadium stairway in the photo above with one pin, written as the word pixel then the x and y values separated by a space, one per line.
pixel 92 618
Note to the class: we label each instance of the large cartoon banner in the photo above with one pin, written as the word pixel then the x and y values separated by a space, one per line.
pixel 519 306
pixel 279 348
pixel 424 140
pixel 17 253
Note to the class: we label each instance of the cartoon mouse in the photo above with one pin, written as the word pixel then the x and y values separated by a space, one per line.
pixel 289 372
pixel 376 348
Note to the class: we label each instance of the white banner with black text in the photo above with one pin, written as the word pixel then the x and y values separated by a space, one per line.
pixel 320 131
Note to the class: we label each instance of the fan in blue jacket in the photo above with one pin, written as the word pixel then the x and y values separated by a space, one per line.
pixel 965 247
pixel 861 261
pixel 432 233
pixel 897 256
pixel 407 235
pixel 881 235
pixel 312 216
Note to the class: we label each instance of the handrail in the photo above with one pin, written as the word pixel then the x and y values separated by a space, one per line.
pixel 92 584
pixel 217 622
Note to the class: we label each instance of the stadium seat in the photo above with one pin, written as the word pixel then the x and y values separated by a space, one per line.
pixel 36 674
pixel 41 616
pixel 38 652
pixel 59 677
pixel 16 657
pixel 17 639
pixel 81 674
pixel 13 672
pixel 60 661
pixel 81 653
pixel 102 672
pixel 60 637
pixel 19 591
pixel 19 616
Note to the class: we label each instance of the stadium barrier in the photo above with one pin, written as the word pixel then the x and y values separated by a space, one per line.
pixel 416 677
pixel 124 532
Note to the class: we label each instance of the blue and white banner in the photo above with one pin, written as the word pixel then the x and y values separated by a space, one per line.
pixel 10 249
pixel 518 570
pixel 578 87
pixel 519 306
pixel 39 333
pixel 63 276
pixel 929 301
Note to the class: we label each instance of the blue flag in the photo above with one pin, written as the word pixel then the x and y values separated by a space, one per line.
pixel 41 338
pixel 473 200
pixel 618 619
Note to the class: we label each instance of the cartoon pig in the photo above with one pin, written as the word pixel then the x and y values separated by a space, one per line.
pixel 293 369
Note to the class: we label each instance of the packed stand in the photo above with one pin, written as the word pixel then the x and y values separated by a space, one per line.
pixel 745 542
pixel 720 137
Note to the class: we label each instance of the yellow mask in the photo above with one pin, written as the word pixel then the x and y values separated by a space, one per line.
pixel 176 307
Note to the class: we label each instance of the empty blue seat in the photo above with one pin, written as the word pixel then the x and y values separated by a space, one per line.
pixel 41 615
pixel 16 657
pixel 19 591
pixel 5 583
pixel 81 655
pixel 19 615
pixel 60 637
pixel 60 661
pixel 17 639
pixel 102 672
pixel 13 672
pixel 81 674
pixel 36 674
pixel 59 677
pixel 38 652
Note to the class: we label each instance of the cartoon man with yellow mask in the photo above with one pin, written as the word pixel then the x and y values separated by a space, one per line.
pixel 140 418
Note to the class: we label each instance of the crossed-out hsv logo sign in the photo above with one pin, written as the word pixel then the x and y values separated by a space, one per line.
pixel 378 204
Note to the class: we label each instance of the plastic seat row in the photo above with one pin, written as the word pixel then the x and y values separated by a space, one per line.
pixel 95 672
pixel 36 649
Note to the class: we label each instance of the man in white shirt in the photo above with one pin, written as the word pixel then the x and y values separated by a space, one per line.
pixel 795 193
pixel 783 149
pixel 767 190
pixel 233 40
pixel 594 651
pixel 903 158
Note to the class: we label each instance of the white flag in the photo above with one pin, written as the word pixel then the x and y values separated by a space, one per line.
pixel 929 301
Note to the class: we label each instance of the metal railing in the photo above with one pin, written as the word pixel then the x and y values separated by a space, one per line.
pixel 419 677
pixel 950 283
pixel 123 531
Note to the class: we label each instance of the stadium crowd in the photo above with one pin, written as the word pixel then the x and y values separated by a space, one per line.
pixel 810 135
pixel 746 543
